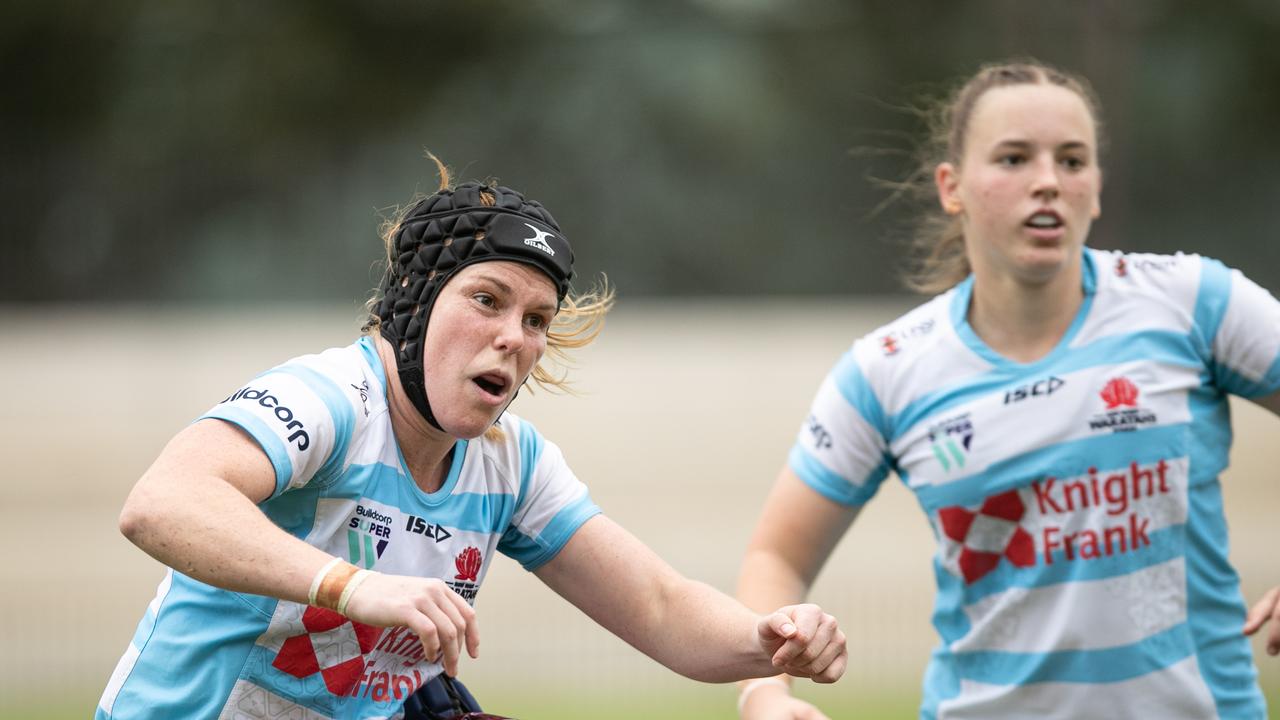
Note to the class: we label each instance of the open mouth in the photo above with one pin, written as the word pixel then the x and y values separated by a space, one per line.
pixel 1044 221
pixel 491 383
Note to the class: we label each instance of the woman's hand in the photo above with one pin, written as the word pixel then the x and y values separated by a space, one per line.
pixel 804 641
pixel 1268 608
pixel 442 620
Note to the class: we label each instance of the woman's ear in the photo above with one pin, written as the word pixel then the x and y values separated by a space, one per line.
pixel 947 180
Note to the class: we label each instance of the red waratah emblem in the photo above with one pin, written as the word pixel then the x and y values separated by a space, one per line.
pixel 468 563
pixel 332 645
pixel 988 534
pixel 1119 391
pixel 889 344
pixel 1121 268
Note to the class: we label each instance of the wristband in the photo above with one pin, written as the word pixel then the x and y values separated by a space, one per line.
pixel 315 582
pixel 350 590
pixel 754 685
pixel 329 583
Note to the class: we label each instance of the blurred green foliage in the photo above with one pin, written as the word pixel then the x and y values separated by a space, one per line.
pixel 245 151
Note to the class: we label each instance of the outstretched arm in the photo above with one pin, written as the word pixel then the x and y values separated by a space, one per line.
pixel 195 510
pixel 797 530
pixel 687 626
pixel 1267 608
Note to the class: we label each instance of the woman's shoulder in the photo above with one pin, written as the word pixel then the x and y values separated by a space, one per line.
pixel 913 333
pixel 1177 277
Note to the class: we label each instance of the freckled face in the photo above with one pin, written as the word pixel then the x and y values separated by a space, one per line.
pixel 1028 184
pixel 487 331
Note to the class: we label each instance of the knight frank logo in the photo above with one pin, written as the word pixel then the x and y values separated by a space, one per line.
pixel 1083 518
pixel 984 536
pixel 348 655
pixel 468 564
pixel 1121 414
pixel 331 645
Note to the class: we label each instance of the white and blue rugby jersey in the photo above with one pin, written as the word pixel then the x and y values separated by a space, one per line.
pixel 341 485
pixel 1082 551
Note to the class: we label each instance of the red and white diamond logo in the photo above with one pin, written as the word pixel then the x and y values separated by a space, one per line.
pixel 982 536
pixel 332 645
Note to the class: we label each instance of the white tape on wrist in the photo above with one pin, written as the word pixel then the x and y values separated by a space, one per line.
pixel 350 590
pixel 319 578
pixel 756 684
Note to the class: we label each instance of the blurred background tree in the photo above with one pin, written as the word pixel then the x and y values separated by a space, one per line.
pixel 246 151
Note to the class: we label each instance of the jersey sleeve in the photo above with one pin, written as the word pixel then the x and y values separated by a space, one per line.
pixel 552 503
pixel 1240 322
pixel 841 451
pixel 299 418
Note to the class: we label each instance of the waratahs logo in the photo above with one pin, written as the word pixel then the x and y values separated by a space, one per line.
pixel 1121 412
pixel 466 582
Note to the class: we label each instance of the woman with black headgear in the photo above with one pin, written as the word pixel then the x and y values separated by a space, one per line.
pixel 328 525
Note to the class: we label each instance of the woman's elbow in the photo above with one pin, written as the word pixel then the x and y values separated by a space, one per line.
pixel 138 517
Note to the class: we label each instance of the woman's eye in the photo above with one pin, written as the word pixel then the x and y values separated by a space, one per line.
pixel 1010 160
pixel 484 299
pixel 1073 163
pixel 536 322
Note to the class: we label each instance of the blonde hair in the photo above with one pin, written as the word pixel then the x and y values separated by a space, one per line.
pixel 937 248
pixel 578 322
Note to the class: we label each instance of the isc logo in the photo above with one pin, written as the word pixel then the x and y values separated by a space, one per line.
pixel 1038 388
pixel 418 526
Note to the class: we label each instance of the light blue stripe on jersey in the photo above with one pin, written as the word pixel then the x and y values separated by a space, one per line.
pixel 1160 346
pixel 265 436
pixel 1070 459
pixel 1215 607
pixel 173 668
pixel 1114 664
pixel 532 552
pixel 1212 298
pixel 1237 384
pixel 339 407
pixel 853 385
pixel 530 451
pixel 370 354
pixel 832 485
pixel 294 511
pixel 472 512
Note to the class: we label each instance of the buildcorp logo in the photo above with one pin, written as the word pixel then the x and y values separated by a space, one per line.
pixel 281 412
pixel 1084 518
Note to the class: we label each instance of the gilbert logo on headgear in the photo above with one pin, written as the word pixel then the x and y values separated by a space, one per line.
pixel 538 241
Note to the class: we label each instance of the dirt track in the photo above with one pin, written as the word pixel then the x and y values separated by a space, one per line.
pixel 687 412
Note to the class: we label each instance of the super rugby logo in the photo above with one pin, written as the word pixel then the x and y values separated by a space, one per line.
pixel 539 240
pixel 951 440
pixel 1122 413
pixel 368 534
pixel 1070 528
pixel 282 413
pixel 468 564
